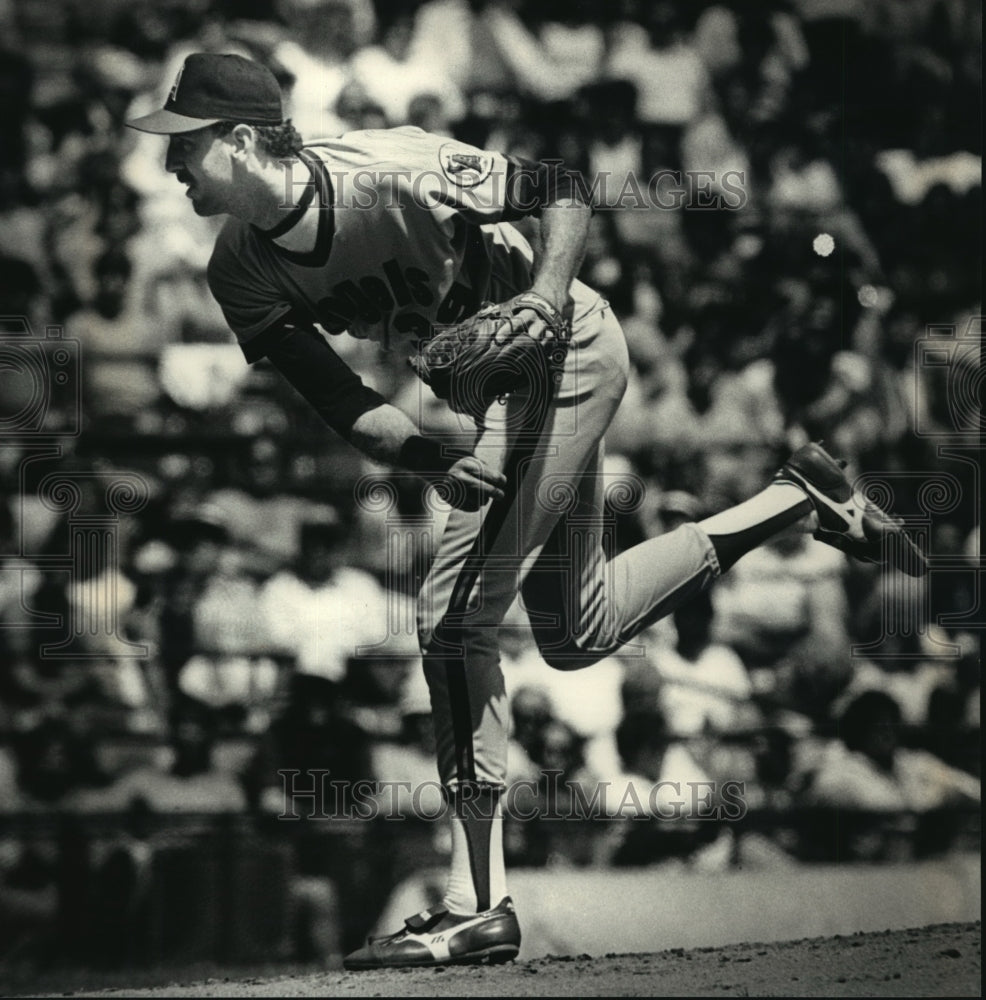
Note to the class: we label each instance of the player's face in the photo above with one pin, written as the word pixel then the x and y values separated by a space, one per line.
pixel 201 160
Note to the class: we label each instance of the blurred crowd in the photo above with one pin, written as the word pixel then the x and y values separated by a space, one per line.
pixel 251 611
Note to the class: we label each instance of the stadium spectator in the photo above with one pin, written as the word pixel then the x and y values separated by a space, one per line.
pixel 357 110
pixel 409 789
pixel 241 688
pixel 704 686
pixel 324 608
pixel 867 768
pixel 198 545
pixel 191 783
pixel 563 832
pixel 551 49
pixel 373 686
pixel 867 771
pixel 227 615
pixel 312 732
pixel 408 760
pixel 322 39
pixel 315 763
pixel 587 701
pixel 787 613
pixel 105 326
pixel 531 712
pixel 56 760
pixel 21 287
pixel 28 902
pixel 257 505
pixel 669 76
pixel 392 78
pixel 662 783
pixel 609 112
pixel 953 714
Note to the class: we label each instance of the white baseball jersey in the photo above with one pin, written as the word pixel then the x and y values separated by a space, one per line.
pixel 415 234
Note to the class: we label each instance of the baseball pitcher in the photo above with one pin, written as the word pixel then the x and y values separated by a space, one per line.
pixel 405 238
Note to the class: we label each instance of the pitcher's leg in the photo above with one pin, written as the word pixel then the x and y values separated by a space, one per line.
pixel 475 576
pixel 465 598
pixel 583 605
pixel 483 556
pixel 611 601
pixel 481 561
pixel 458 617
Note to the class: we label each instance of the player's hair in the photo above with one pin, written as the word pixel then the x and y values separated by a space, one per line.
pixel 276 140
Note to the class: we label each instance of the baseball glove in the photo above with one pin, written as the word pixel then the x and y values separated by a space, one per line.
pixel 504 347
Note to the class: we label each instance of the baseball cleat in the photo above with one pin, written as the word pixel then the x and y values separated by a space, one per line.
pixel 848 520
pixel 438 937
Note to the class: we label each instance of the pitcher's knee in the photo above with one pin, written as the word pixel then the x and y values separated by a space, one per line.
pixel 569 656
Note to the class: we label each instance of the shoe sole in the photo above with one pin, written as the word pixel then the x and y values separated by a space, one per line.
pixel 496 954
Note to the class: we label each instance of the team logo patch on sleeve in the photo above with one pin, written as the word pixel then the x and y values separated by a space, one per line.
pixel 465 165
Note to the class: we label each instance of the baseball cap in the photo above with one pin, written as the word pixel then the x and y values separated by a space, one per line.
pixel 212 88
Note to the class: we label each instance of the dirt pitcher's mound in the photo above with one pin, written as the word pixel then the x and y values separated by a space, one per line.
pixel 940 961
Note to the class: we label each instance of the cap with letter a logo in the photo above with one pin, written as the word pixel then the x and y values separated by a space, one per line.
pixel 212 88
pixel 173 93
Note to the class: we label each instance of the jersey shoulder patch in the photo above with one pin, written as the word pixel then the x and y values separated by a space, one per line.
pixel 465 165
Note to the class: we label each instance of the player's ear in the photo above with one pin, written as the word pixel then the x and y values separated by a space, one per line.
pixel 244 139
